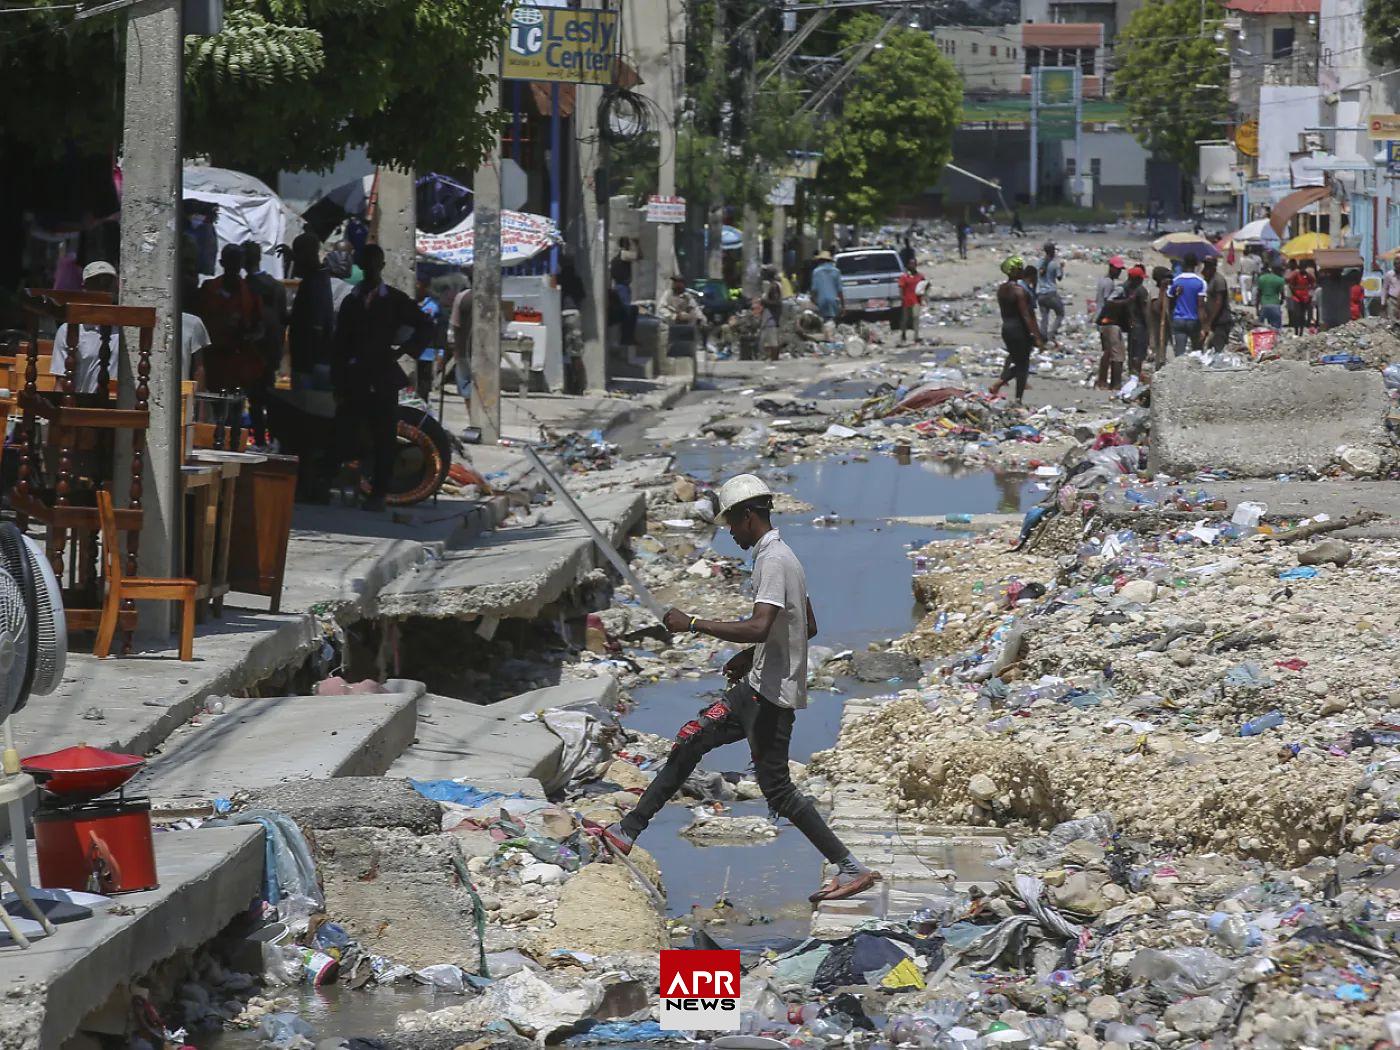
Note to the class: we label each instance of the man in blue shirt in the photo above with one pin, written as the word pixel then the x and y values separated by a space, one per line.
pixel 1052 307
pixel 826 289
pixel 1185 295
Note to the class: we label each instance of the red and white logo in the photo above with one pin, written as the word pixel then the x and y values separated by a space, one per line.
pixel 699 991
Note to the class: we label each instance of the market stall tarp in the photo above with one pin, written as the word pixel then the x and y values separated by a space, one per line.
pixel 523 236
pixel 249 210
pixel 1257 232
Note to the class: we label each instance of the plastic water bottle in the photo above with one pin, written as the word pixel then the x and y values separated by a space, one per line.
pixel 1262 724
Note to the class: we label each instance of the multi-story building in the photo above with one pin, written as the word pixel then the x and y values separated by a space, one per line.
pixel 1077 44
pixel 1272 43
pixel 989 58
pixel 1113 15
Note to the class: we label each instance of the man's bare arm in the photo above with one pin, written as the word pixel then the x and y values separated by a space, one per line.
pixel 748 631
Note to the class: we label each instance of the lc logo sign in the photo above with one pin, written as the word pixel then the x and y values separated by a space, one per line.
pixel 700 991
pixel 561 45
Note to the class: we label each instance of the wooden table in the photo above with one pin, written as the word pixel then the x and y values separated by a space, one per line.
pixel 210 496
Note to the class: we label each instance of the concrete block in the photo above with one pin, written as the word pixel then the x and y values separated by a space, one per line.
pixel 1277 417
pixel 399 893
pixel 352 802
pixel 207 878
pixel 262 742
pixel 489 743
pixel 514 572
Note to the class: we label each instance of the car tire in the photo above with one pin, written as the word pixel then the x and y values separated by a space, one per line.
pixel 423 460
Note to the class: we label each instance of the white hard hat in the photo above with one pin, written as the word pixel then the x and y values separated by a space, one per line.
pixel 740 489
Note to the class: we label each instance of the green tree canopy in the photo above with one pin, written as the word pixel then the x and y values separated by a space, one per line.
pixel 894 130
pixel 287 84
pixel 1382 21
pixel 1166 50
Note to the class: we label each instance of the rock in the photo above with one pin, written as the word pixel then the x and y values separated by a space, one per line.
pixel 1074 1021
pixel 684 490
pixel 882 666
pixel 982 788
pixel 1103 1008
pixel 1195 1016
pixel 1327 552
pixel 351 802
pixel 1143 592
pixel 855 347
pixel 602 909
pixel 1333 705
pixel 1318 687
pixel 625 775
pixel 1359 460
pixel 1082 892
pixel 1183 657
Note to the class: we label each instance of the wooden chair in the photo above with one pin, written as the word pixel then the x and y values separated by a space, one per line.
pixel 121 587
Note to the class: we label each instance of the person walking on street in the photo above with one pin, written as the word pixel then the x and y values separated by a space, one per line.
pixel 770 335
pixel 1139 319
pixel 232 313
pixel 367 375
pixel 768 687
pixel 1251 266
pixel 909 282
pixel 1216 329
pixel 1111 349
pixel 1390 291
pixel 1018 328
pixel 963 230
pixel 907 256
pixel 1016 227
pixel 1271 288
pixel 1185 295
pixel 1052 271
pixel 1299 296
pixel 273 296
pixel 1159 314
pixel 826 289
pixel 1154 216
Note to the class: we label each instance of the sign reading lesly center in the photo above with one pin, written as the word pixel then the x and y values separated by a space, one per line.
pixel 564 45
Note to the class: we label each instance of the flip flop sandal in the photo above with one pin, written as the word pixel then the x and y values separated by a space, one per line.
pixel 850 889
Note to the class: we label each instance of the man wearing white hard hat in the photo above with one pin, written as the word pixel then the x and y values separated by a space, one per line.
pixel 768 686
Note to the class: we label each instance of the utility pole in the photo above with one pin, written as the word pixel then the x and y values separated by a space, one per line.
pixel 592 233
pixel 1035 136
pixel 752 238
pixel 486 276
pixel 396 226
pixel 151 188
pixel 714 255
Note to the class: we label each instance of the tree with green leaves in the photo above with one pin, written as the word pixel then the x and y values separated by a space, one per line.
pixel 1164 52
pixel 1382 21
pixel 894 129
pixel 287 84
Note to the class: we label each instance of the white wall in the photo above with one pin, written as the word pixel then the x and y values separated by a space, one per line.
pixel 1283 113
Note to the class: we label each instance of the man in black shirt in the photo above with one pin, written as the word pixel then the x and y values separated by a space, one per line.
pixel 369 339
pixel 273 297
pixel 312 324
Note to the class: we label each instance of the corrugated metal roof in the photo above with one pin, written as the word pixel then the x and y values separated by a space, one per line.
pixel 1275 7
pixel 1062 34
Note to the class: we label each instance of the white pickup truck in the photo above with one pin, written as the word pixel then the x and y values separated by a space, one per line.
pixel 870 282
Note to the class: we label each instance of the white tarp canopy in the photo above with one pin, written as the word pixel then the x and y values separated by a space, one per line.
pixel 248 210
pixel 1257 232
pixel 523 236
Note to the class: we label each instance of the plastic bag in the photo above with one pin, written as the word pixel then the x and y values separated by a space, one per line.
pixel 1181 972
pixel 289 873
pixel 286 1031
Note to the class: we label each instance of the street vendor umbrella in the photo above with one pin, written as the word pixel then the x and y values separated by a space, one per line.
pixel 1305 244
pixel 337 204
pixel 1180 245
pixel 1257 232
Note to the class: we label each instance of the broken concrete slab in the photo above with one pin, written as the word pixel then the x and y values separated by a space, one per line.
pixel 351 802
pixel 207 877
pixel 514 572
pixel 489 744
pixel 1277 417
pixel 399 893
pixel 261 742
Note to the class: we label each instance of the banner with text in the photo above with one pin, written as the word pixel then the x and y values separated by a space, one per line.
pixel 561 45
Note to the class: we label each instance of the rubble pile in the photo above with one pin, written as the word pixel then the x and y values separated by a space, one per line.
pixel 1372 342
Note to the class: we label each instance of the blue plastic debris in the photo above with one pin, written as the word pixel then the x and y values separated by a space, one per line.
pixel 461 794
pixel 1300 572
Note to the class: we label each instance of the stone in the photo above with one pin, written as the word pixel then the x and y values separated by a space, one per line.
pixel 626 775
pixel 1141 591
pixel 1074 1021
pixel 1183 657
pixel 351 802
pixel 982 788
pixel 1333 705
pixel 1195 1016
pixel 684 490
pixel 1362 462
pixel 1327 552
pixel 882 666
pixel 1103 1008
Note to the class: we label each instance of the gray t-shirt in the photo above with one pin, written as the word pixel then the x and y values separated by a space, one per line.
pixel 1051 270
pixel 779 670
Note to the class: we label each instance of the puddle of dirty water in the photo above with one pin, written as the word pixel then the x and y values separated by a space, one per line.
pixel 858 576
pixel 338 1012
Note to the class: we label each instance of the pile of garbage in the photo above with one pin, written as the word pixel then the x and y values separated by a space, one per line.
pixel 1371 342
